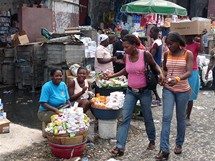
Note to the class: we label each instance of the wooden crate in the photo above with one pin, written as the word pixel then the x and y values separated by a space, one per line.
pixel 30 60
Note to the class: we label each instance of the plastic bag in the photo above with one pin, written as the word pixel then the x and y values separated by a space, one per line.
pixel 74 69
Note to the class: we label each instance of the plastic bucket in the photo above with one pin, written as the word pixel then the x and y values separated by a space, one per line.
pixel 107 128
pixel 67 151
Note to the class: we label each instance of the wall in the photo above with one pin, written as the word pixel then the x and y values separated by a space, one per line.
pixel 32 19
pixel 83 12
pixel 65 14
pixel 211 9
pixel 96 8
pixel 195 8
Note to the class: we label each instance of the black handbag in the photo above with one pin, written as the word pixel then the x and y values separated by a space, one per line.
pixel 151 74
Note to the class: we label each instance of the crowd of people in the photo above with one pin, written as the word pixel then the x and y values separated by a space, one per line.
pixel 177 72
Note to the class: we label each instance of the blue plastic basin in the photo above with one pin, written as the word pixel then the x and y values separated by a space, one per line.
pixel 105 114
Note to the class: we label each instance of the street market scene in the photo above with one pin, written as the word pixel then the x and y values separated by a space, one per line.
pixel 107 80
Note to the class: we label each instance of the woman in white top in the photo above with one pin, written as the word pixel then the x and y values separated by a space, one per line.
pixel 78 89
pixel 103 59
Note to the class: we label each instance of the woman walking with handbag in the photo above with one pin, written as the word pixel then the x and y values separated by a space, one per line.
pixel 137 90
pixel 177 67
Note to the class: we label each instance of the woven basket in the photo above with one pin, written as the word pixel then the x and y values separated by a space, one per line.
pixel 65 139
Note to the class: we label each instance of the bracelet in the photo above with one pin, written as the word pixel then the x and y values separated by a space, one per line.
pixel 178 79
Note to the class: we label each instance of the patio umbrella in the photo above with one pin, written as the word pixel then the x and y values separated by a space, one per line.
pixel 154 6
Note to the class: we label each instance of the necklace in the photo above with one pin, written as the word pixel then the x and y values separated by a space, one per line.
pixel 175 61
pixel 173 65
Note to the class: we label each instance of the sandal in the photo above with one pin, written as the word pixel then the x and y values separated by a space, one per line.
pixel 117 151
pixel 178 149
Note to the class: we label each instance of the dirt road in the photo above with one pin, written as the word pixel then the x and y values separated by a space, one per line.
pixel 27 144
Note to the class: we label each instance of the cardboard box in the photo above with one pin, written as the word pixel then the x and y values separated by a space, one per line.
pixel 19 38
pixel 4 125
pixel 191 27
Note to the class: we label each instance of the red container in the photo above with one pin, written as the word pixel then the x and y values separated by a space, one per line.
pixel 67 151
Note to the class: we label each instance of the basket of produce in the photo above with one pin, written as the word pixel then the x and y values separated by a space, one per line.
pixel 108 107
pixel 69 127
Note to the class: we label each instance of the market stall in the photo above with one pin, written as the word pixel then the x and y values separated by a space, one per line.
pixel 142 14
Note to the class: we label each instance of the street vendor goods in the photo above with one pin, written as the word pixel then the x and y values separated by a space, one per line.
pixel 120 81
pixel 114 101
pixel 69 127
pixel 108 107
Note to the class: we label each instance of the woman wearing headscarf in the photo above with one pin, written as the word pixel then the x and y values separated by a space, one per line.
pixel 103 59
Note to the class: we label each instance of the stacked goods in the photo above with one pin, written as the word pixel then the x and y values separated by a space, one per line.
pixel 114 101
pixel 108 107
pixel 69 127
pixel 90 47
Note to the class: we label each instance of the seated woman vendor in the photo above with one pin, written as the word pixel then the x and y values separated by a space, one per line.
pixel 54 94
pixel 78 89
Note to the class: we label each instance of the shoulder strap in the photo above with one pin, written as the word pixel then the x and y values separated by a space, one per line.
pixel 145 57
pixel 185 54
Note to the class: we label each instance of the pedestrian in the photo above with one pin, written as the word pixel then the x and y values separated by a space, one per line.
pixel 211 66
pixel 156 51
pixel 137 90
pixel 118 52
pixel 78 90
pixel 112 40
pixel 54 94
pixel 103 59
pixel 194 79
pixel 141 46
pixel 177 67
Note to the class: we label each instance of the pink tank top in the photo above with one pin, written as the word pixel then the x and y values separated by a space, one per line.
pixel 136 71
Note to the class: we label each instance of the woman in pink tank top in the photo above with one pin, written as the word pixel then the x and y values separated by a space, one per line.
pixel 137 90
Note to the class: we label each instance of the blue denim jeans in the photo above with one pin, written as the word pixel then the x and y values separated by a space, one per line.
pixel 129 104
pixel 169 99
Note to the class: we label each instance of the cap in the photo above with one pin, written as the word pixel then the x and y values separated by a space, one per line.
pixel 102 37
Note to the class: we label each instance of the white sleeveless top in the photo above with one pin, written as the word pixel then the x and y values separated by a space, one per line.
pixel 79 89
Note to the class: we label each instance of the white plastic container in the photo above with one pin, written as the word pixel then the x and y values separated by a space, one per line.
pixel 107 129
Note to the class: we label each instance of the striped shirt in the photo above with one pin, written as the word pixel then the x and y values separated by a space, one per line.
pixel 176 66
